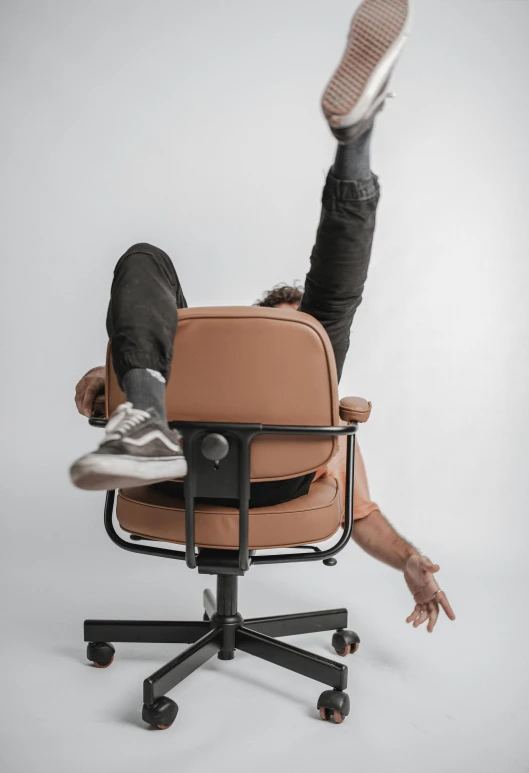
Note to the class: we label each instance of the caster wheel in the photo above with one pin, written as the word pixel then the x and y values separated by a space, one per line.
pixel 161 714
pixel 345 643
pixel 334 706
pixel 101 653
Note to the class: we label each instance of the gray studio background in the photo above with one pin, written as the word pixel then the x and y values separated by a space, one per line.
pixel 196 126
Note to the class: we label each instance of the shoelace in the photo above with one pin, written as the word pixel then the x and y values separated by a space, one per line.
pixel 125 419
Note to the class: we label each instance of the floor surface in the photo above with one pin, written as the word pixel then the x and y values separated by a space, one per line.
pixel 454 700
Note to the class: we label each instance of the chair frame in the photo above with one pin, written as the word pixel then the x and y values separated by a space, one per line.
pixel 223 629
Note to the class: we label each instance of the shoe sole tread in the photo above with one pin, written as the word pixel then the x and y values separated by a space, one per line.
pixel 375 27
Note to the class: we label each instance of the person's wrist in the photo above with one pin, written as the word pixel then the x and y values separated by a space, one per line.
pixel 408 552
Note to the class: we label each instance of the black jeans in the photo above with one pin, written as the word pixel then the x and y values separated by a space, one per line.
pixel 146 293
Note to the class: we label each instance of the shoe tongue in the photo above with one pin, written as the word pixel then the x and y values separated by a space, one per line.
pixel 144 414
pixel 118 416
pixel 126 411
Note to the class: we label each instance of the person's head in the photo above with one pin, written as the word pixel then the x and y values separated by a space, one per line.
pixel 282 296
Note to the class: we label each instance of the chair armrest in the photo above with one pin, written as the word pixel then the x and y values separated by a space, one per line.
pixel 354 409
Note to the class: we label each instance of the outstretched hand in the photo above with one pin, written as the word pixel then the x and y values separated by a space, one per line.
pixel 419 575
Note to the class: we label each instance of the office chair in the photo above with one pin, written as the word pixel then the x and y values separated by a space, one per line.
pixel 254 394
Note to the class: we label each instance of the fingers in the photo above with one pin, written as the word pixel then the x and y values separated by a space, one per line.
pixel 415 614
pixel 430 612
pixel 423 617
pixel 88 388
pixel 80 390
pixel 89 396
pixel 79 396
pixel 422 613
pixel 428 566
pixel 98 407
pixel 434 616
pixel 443 601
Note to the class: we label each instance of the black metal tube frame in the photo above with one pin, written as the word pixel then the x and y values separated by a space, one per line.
pixel 245 433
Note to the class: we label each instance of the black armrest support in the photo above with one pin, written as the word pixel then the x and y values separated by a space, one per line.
pixel 200 481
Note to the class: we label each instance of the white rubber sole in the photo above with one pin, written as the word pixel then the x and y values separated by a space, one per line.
pixel 378 33
pixel 98 472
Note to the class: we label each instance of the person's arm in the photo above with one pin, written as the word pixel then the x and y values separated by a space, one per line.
pixel 376 536
pixel 89 387
pixel 379 539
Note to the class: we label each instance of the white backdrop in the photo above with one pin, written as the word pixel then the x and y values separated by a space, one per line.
pixel 197 127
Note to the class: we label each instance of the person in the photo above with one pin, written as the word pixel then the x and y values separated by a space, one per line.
pixel 139 448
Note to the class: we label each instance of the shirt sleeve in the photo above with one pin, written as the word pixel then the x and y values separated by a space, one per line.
pixel 363 505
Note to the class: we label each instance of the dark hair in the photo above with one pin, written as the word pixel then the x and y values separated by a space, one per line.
pixel 281 293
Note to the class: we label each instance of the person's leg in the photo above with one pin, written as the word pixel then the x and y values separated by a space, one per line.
pixel 353 159
pixel 354 96
pixel 141 323
pixel 340 258
pixel 138 447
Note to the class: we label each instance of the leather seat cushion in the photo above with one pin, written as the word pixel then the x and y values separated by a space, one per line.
pixel 314 517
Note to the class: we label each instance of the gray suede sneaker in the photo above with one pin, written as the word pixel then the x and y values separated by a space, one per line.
pixel 359 88
pixel 138 449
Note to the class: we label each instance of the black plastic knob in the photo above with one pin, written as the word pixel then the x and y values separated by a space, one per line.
pixel 215 447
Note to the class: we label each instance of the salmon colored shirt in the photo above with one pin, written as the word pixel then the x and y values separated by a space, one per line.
pixel 336 468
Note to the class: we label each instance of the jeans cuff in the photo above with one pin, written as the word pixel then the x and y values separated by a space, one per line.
pixel 125 361
pixel 351 190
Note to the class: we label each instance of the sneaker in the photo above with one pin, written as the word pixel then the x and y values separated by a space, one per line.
pixel 138 449
pixel 359 88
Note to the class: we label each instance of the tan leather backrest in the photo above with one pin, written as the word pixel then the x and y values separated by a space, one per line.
pixel 258 365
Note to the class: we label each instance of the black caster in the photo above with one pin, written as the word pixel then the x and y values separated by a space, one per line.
pixel 101 653
pixel 162 713
pixel 334 706
pixel 345 642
